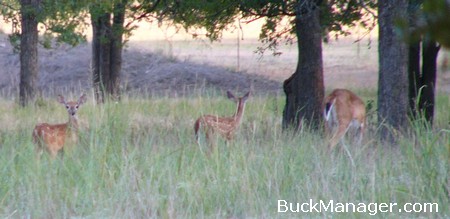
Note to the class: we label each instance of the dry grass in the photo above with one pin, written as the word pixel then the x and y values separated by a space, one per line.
pixel 181 67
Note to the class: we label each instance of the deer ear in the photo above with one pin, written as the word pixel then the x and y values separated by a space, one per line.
pixel 231 96
pixel 82 99
pixel 245 97
pixel 61 99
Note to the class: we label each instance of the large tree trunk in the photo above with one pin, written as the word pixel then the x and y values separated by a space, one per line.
pixel 28 51
pixel 393 62
pixel 107 52
pixel 305 88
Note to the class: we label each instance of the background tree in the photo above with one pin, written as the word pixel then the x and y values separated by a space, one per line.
pixel 428 24
pixel 111 22
pixel 66 20
pixel 393 60
pixel 59 18
pixel 107 40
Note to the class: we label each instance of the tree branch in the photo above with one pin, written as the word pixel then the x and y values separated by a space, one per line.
pixel 147 11
pixel 8 6
pixel 364 6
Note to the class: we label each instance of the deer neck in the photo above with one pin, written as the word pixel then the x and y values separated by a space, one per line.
pixel 239 112
pixel 73 123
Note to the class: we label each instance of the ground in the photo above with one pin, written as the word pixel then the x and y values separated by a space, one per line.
pixel 179 67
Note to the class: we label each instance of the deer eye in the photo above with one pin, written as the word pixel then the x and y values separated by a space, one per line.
pixel 76 106
pixel 67 107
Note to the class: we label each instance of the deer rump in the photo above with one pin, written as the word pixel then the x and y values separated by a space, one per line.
pixel 344 113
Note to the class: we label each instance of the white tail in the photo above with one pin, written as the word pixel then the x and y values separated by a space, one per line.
pixel 343 110
pixel 52 138
pixel 225 126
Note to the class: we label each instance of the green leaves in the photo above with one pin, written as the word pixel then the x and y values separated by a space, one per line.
pixel 426 18
pixel 279 15
pixel 437 22
pixel 60 19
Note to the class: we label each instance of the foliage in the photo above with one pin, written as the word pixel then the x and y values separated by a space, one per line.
pixel 67 21
pixel 437 22
pixel 279 17
pixel 63 20
pixel 214 16
pixel 430 19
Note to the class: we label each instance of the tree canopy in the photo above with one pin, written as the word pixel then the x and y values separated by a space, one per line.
pixel 60 20
pixel 437 22
pixel 278 15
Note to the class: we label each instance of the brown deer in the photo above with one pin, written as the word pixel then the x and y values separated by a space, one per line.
pixel 224 126
pixel 343 110
pixel 53 137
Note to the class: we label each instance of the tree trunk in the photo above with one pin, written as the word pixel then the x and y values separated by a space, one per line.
pixel 107 51
pixel 421 81
pixel 28 51
pixel 305 88
pixel 413 76
pixel 116 50
pixel 413 56
pixel 429 68
pixel 101 29
pixel 393 70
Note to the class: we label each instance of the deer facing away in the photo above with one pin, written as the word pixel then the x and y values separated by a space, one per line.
pixel 53 137
pixel 224 126
pixel 344 111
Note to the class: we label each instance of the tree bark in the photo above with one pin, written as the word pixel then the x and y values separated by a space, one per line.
pixel 101 29
pixel 414 77
pixel 421 80
pixel 428 82
pixel 116 50
pixel 393 79
pixel 422 83
pixel 28 51
pixel 305 88
pixel 107 51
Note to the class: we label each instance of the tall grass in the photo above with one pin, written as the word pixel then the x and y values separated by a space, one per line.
pixel 138 159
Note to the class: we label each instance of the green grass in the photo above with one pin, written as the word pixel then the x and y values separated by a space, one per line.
pixel 139 159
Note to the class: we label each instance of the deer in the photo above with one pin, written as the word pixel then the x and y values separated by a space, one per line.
pixel 344 111
pixel 224 126
pixel 53 137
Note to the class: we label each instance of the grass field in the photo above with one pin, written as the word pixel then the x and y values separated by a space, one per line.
pixel 138 159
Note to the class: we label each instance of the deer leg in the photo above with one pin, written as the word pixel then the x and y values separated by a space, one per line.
pixel 342 129
pixel 39 150
pixel 38 141
pixel 209 141
pixel 208 137
pixel 360 133
pixel 228 138
pixel 53 152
